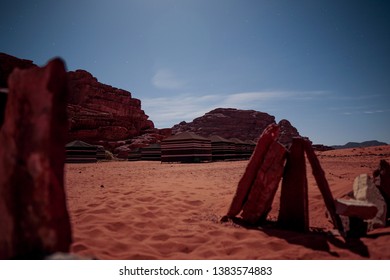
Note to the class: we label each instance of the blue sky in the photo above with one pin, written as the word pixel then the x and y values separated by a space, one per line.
pixel 323 65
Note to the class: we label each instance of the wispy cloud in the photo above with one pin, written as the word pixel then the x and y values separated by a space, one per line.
pixel 167 79
pixel 357 97
pixel 374 112
pixel 166 111
pixel 357 110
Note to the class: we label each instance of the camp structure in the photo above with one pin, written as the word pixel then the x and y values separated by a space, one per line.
pixel 186 147
pixel 151 152
pixel 249 148
pixel 221 148
pixel 80 152
pixel 239 148
pixel 134 155
pixel 100 153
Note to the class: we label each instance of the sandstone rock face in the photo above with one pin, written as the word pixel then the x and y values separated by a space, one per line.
pixel 102 112
pixel 33 213
pixel 232 123
pixel 98 113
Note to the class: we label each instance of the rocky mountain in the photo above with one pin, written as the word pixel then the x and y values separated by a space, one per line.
pixel 234 123
pixel 371 143
pixel 97 113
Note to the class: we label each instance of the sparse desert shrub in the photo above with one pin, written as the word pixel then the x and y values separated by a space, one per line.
pixel 108 155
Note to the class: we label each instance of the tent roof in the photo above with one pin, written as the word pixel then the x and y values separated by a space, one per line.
pixel 216 138
pixel 152 146
pixel 186 136
pixel 237 141
pixel 78 143
pixel 250 142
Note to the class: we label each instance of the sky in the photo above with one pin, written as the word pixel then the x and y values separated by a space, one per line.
pixel 323 65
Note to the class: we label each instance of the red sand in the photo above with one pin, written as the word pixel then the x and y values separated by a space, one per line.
pixel 149 210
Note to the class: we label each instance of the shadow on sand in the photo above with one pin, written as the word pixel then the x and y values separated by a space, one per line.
pixel 315 239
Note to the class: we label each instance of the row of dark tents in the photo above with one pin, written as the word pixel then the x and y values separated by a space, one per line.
pixel 186 147
pixel 81 152
pixel 190 147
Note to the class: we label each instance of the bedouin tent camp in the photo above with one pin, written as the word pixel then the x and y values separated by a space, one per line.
pixel 239 148
pixel 221 148
pixel 186 147
pixel 151 152
pixel 80 152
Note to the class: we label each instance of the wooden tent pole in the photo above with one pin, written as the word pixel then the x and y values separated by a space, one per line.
pixel 294 213
pixel 323 185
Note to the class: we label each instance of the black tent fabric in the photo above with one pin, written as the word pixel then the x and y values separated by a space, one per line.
pixel 80 152
pixel 221 148
pixel 186 147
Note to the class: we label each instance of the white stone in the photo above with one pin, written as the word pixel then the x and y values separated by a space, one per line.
pixel 356 208
pixel 364 189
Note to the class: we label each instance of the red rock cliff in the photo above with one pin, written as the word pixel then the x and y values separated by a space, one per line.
pixel 102 112
pixel 98 113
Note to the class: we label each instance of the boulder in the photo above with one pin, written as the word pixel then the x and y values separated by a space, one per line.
pixel 356 208
pixel 33 213
pixel 364 189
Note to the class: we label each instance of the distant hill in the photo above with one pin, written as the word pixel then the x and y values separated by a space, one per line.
pixel 234 123
pixel 371 143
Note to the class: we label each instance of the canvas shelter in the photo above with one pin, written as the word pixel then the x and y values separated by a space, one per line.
pixel 100 153
pixel 80 152
pixel 186 147
pixel 249 148
pixel 240 147
pixel 151 152
pixel 134 155
pixel 221 148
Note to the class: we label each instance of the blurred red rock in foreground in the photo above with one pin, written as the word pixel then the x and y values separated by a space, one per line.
pixel 33 211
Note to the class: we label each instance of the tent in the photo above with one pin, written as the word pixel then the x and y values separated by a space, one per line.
pixel 221 148
pixel 151 152
pixel 80 152
pixel 240 147
pixel 249 148
pixel 186 147
pixel 100 153
pixel 134 155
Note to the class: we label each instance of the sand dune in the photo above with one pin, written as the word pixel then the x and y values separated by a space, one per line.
pixel 149 210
